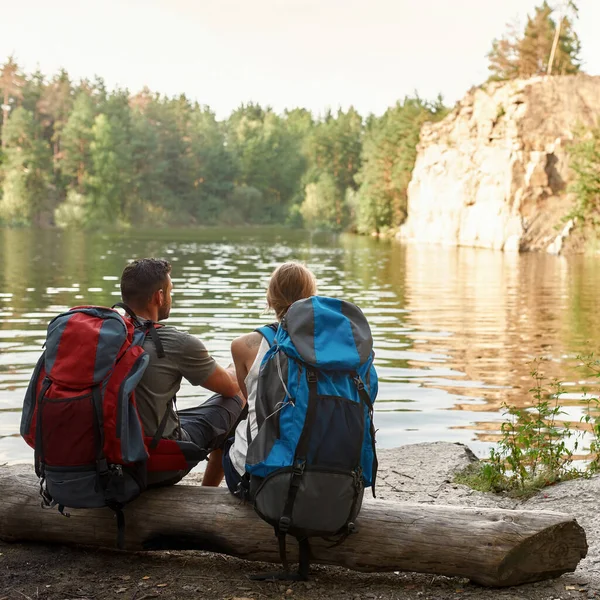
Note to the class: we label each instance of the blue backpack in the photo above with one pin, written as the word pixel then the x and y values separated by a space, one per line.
pixel 314 452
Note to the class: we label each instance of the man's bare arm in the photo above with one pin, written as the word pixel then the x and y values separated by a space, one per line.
pixel 223 381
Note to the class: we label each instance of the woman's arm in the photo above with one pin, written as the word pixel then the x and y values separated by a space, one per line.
pixel 244 350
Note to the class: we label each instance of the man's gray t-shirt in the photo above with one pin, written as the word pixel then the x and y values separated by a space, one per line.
pixel 185 356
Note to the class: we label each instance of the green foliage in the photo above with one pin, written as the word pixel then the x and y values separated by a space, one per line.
pixel 26 168
pixel 212 169
pixel 584 154
pixel 536 449
pixel 591 416
pixel 76 140
pixel 11 90
pixel 388 157
pixel 525 55
pixel 268 155
pixel 483 477
pixel 323 206
pixel 504 56
pixel 54 106
pixel 73 212
pixel 109 182
pixel 533 451
pixel 333 150
pixel 243 205
pixel 105 158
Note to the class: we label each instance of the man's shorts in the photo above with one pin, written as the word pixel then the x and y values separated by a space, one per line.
pixel 212 423
pixel 207 427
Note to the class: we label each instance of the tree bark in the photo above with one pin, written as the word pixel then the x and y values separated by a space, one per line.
pixel 554 46
pixel 5 112
pixel 492 547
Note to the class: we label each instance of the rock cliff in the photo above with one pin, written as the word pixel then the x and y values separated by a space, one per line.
pixel 494 172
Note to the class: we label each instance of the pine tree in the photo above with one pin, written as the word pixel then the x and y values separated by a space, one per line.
pixel 267 152
pixel 388 157
pixel 109 181
pixel 320 209
pixel 11 87
pixel 514 56
pixel 504 55
pixel 213 168
pixel 76 139
pixel 334 157
pixel 568 46
pixel 54 106
pixel 27 197
pixel 33 89
pixel 147 164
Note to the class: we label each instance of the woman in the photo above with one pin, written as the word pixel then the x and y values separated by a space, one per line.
pixel 290 282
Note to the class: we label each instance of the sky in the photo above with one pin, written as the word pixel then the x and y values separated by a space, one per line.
pixel 317 54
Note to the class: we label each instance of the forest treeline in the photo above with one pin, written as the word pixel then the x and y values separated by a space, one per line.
pixel 75 154
pixel 78 155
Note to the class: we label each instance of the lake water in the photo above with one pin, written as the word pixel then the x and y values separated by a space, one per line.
pixel 455 329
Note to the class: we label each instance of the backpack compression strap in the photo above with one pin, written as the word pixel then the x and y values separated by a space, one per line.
pixel 282 528
pixel 268 332
pixel 150 329
pixel 366 399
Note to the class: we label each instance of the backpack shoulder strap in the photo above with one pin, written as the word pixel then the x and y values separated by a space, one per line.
pixel 148 326
pixel 268 332
pixel 129 311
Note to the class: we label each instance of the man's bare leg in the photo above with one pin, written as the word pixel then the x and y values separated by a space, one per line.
pixel 213 475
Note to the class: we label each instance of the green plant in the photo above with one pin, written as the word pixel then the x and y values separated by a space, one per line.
pixel 591 416
pixel 594 423
pixel 535 449
pixel 584 154
pixel 482 476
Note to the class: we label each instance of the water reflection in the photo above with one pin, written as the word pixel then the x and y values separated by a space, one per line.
pixel 500 312
pixel 454 329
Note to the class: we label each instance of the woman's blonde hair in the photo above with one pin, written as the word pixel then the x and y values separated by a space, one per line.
pixel 290 281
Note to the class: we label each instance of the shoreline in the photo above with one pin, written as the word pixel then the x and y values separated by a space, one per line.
pixel 414 473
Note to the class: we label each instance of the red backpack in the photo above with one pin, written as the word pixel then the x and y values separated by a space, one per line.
pixel 80 415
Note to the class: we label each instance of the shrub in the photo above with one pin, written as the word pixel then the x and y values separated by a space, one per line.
pixel 535 449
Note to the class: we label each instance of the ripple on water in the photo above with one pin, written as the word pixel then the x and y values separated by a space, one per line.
pixel 454 329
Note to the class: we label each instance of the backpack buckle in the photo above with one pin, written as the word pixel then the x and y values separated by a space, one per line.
pixel 117 470
pixel 299 467
pixel 311 376
pixel 47 500
pixel 241 492
pixel 359 383
pixel 284 525
pixel 358 478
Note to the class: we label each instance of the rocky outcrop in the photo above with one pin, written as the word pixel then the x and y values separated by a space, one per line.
pixel 494 172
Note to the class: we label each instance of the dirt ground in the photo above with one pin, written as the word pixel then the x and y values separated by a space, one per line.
pixel 417 473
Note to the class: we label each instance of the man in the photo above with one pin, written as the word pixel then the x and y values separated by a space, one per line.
pixel 146 289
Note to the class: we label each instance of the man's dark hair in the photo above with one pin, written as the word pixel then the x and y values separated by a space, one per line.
pixel 142 278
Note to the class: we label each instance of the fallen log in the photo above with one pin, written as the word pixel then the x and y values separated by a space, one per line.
pixel 492 547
